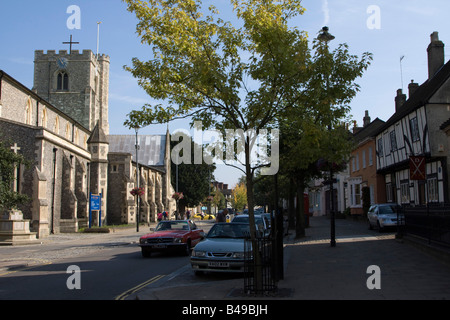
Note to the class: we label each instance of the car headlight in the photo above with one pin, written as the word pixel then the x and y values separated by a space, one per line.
pixel 177 240
pixel 238 255
pixel 199 253
pixel 142 240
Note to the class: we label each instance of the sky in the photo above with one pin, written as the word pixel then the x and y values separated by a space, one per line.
pixel 388 29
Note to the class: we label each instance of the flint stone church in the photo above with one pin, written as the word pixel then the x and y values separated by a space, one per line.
pixel 61 127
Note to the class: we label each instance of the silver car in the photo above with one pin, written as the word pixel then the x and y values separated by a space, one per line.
pixel 385 215
pixel 222 250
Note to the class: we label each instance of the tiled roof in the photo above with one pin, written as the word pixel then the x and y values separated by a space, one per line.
pixel 152 148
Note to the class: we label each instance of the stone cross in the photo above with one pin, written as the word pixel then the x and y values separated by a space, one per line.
pixel 15 148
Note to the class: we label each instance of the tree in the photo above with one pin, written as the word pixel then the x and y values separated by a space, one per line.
pixel 203 66
pixel 193 179
pixel 239 197
pixel 9 199
pixel 315 132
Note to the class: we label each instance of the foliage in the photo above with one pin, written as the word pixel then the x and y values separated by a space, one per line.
pixel 193 180
pixel 239 196
pixel 8 163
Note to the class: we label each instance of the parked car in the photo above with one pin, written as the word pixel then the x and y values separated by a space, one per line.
pixel 222 250
pixel 385 215
pixel 204 216
pixel 181 235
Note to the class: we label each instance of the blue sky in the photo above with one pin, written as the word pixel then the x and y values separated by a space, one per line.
pixel 403 29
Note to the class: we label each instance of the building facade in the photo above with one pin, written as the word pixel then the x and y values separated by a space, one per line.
pixel 61 127
pixel 414 131
pixel 363 167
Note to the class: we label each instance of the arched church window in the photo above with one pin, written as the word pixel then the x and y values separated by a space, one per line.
pixel 44 117
pixel 28 112
pixel 62 81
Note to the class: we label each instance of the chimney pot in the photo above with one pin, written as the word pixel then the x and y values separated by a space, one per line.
pixel 400 99
pixel 412 87
pixel 366 119
pixel 436 56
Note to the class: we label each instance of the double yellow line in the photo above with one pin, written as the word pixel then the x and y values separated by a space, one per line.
pixel 124 295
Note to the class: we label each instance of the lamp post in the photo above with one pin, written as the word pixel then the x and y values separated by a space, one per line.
pixel 325 36
pixel 137 181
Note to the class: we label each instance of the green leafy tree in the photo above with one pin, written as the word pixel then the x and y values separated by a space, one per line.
pixel 314 131
pixel 9 199
pixel 193 179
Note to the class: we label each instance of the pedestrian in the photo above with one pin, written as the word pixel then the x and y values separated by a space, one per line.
pixel 188 215
pixel 160 216
pixel 165 215
pixel 222 215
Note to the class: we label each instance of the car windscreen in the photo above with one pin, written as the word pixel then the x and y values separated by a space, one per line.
pixel 386 209
pixel 229 230
pixel 172 225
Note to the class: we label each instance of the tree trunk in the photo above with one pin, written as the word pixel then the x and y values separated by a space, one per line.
pixel 251 213
pixel 291 204
pixel 300 210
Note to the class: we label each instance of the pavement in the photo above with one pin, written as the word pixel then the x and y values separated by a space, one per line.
pixel 364 265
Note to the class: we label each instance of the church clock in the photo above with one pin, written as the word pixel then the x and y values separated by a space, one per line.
pixel 62 63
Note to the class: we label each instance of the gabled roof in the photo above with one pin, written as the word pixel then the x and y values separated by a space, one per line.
pixel 368 131
pixel 421 96
pixel 152 148
pixel 98 135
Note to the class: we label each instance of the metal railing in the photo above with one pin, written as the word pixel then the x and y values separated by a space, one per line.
pixel 430 222
pixel 259 277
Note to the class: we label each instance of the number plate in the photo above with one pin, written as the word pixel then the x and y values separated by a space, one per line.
pixel 218 264
pixel 159 246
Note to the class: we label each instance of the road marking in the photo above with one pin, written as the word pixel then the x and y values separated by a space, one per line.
pixel 124 295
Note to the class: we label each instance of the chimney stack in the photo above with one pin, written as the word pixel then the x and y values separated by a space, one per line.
pixel 400 99
pixel 412 87
pixel 366 119
pixel 435 55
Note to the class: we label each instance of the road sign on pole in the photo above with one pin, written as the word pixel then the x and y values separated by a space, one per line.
pixel 95 204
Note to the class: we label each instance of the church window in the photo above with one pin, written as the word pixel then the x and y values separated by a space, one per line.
pixel 56 128
pixel 62 81
pixel 68 131
pixel 28 112
pixel 44 118
pixel 77 137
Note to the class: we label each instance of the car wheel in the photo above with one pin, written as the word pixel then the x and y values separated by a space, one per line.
pixel 146 253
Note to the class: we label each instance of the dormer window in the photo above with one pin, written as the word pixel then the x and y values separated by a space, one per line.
pixel 62 81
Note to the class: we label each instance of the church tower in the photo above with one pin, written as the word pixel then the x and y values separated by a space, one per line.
pixel 76 83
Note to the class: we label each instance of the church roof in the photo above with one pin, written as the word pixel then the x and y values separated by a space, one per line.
pixel 152 148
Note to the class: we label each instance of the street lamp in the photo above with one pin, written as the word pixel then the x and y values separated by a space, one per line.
pixel 325 36
pixel 137 180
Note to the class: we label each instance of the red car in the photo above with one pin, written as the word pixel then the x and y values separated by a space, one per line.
pixel 181 235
